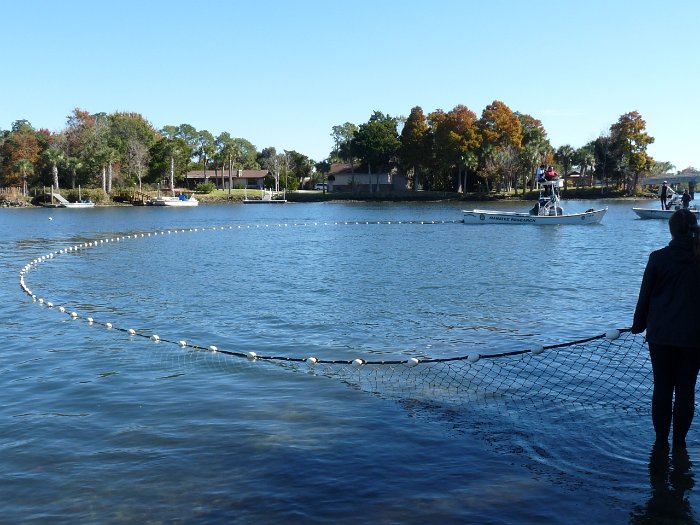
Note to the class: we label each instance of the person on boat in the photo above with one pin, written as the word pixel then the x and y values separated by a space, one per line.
pixel 540 173
pixel 685 199
pixel 666 309
pixel 664 193
pixel 551 174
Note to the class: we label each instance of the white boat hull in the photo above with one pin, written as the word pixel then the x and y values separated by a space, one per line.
pixel 174 201
pixel 655 213
pixel 505 217
pixel 77 205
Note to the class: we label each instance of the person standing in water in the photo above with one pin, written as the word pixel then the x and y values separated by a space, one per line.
pixel 666 309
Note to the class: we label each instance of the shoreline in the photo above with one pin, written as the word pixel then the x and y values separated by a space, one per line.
pixel 404 196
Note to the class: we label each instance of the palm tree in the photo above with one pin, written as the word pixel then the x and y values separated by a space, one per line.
pixel 585 158
pixel 24 166
pixel 565 155
pixel 73 164
pixel 108 156
pixel 54 157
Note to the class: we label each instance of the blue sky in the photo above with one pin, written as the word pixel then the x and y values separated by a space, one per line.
pixel 283 74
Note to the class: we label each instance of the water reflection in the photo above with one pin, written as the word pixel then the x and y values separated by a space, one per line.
pixel 671 478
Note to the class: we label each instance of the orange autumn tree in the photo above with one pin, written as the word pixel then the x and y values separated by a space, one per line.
pixel 631 140
pixel 20 152
pixel 456 139
pixel 502 140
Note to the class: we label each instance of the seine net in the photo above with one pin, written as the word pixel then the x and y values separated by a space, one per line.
pixel 599 371
pixel 611 369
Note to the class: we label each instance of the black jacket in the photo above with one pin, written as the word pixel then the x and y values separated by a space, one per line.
pixel 669 298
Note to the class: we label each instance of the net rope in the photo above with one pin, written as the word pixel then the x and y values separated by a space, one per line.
pixel 609 370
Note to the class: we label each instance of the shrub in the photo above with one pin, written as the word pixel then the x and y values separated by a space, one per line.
pixel 205 187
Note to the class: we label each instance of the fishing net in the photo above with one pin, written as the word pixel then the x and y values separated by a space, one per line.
pixel 607 370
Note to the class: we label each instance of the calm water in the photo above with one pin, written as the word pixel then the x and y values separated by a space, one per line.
pixel 99 427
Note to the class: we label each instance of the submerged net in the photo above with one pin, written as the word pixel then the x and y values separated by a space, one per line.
pixel 610 370
pixel 607 370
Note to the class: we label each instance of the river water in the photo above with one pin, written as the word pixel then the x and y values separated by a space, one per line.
pixel 103 427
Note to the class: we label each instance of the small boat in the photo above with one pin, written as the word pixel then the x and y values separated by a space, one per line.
pixel 87 203
pixel 181 200
pixel 82 203
pixel 546 211
pixel 674 204
pixel 268 197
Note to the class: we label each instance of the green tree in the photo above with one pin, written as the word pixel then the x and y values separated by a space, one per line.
pixel 377 143
pixel 25 167
pixel 565 157
pixel 74 164
pixel 342 142
pixel 226 151
pixel 54 157
pixel 606 164
pixel 131 135
pixel 661 167
pixel 414 148
pixel 273 162
pixel 535 147
pixel 584 158
pixel 245 154
pixel 631 141
pixel 300 168
pixel 206 147
pixel 169 158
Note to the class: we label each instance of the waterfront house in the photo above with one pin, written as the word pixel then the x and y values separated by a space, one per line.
pixel 223 180
pixel 348 177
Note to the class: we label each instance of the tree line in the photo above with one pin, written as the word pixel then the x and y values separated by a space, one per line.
pixel 124 150
pixel 500 150
pixel 440 151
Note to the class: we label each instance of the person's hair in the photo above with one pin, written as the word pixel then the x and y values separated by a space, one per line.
pixel 684 223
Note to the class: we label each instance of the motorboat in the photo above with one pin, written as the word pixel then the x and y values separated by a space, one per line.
pixel 87 203
pixel 546 211
pixel 674 203
pixel 81 203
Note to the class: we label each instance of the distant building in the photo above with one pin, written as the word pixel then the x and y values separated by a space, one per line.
pixel 346 177
pixel 241 179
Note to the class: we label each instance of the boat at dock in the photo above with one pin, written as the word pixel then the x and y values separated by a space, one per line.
pixel 80 203
pixel 546 211
pixel 268 197
pixel 59 201
pixel 180 200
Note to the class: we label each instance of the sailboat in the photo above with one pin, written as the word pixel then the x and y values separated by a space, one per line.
pixel 180 200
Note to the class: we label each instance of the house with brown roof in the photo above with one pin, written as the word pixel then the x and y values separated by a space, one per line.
pixel 223 180
pixel 348 177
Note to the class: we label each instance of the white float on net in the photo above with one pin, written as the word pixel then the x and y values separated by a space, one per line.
pixel 612 334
